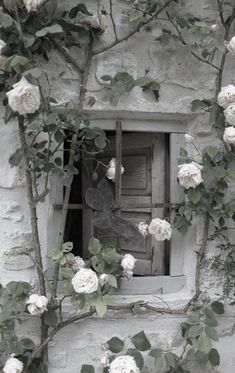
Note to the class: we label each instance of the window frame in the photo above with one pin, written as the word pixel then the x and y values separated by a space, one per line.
pixel 146 285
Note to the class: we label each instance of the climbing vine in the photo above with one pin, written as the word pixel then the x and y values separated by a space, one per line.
pixel 30 31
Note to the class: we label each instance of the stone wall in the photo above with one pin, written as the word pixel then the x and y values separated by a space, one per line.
pixel 182 80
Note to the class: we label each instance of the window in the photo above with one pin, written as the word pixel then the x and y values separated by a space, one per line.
pixel 149 188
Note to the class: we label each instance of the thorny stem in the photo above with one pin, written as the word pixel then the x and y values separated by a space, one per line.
pixel 82 94
pixel 200 254
pixel 35 236
pixel 227 26
pixel 133 32
pixel 182 40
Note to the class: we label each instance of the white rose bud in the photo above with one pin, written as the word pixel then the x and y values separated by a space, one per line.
pixel 226 96
pixel 13 365
pixel 161 229
pixel 230 114
pixel 123 364
pixel 214 27
pixel 229 135
pixel 24 98
pixel 32 5
pixel 189 175
pixel 85 281
pixel 188 138
pixel 111 170
pixel 77 263
pixel 143 228
pixel 128 262
pixel 37 304
pixel 103 279
pixel 230 45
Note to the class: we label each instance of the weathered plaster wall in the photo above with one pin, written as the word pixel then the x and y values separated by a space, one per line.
pixel 182 79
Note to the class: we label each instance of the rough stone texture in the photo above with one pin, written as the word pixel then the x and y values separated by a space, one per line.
pixel 182 80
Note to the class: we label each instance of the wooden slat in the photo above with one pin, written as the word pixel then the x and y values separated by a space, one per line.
pixel 118 175
pixel 176 196
pixel 158 195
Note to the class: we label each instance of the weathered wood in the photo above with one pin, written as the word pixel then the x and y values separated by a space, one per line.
pixel 177 141
pixel 118 175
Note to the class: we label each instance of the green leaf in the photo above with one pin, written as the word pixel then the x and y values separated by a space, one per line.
pixel 199 104
pixel 54 29
pixel 101 307
pixel 214 357
pixel 112 281
pixel 87 369
pixel 161 363
pixel 204 343
pixel 171 359
pixel 27 343
pixel 35 72
pixel 194 195
pixel 16 158
pixel 201 357
pixel 5 20
pixel 211 333
pixel 18 60
pixel 218 307
pixel 194 331
pixel 94 246
pixel 141 342
pixel 67 247
pixel 116 345
pixel 137 356
pixel 156 353
pixel 98 264
pixel 67 273
pixel 106 78
pixel 50 318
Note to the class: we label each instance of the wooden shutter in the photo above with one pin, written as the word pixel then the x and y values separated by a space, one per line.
pixel 177 141
pixel 143 185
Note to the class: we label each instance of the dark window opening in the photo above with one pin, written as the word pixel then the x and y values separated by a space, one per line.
pixel 145 195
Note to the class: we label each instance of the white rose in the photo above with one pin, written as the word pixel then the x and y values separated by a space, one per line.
pixel 161 229
pixel 13 365
pixel 103 279
pixel 128 262
pixel 189 175
pixel 24 97
pixel 32 5
pixel 123 364
pixel 37 304
pixel 143 228
pixel 111 170
pixel 77 263
pixel 85 281
pixel 229 135
pixel 229 113
pixel 188 138
pixel 231 45
pixel 226 96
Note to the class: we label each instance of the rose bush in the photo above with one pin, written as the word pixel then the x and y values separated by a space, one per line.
pixel 32 5
pixel 13 365
pixel 226 96
pixel 24 98
pixel 112 169
pixel 123 364
pixel 229 113
pixel 143 228
pixel 85 281
pixel 37 304
pixel 161 229
pixel 189 175
pixel 229 135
